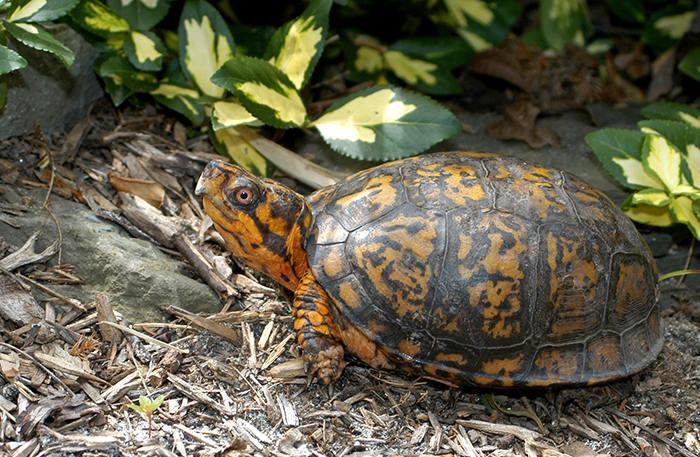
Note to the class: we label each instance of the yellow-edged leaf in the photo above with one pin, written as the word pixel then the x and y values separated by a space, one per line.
pixel 230 143
pixel 692 159
pixel 296 47
pixel 27 10
pixel 653 197
pixel 411 70
pixel 635 173
pixel 231 114
pixel 264 90
pixel 205 43
pixel 145 47
pixel 299 49
pixel 687 190
pixel 662 160
pixel 682 211
pixel 659 216
pixel 354 120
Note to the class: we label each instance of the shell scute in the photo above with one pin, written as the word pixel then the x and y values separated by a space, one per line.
pixel 488 270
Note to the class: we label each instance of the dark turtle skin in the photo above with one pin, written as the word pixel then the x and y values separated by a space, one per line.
pixel 469 268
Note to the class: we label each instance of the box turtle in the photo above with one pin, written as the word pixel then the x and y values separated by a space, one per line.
pixel 469 268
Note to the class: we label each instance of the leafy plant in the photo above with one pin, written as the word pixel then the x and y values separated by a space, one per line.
pixel 148 407
pixel 661 162
pixel 20 19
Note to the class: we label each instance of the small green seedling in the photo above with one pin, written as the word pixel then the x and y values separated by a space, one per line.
pixel 148 407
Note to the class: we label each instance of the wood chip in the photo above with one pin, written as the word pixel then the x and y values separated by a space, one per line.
pixel 229 334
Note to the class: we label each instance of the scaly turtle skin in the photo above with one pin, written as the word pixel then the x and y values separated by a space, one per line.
pixel 469 268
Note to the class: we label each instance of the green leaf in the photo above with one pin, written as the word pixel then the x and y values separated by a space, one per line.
pixel 682 211
pixel 662 160
pixel 665 27
pixel 673 112
pixel 144 50
pixel 296 47
pixel 422 74
pixel 264 90
pixel 385 123
pixel 205 44
pixel 230 143
pixel 95 17
pixel 563 21
pixel 231 114
pixel 181 98
pixel 10 60
pixel 628 10
pixel 140 14
pixel 35 36
pixel 39 10
pixel 690 65
pixel 251 41
pixel 653 197
pixel 448 52
pixel 122 79
pixel 620 152
pixel 658 216
pixel 684 137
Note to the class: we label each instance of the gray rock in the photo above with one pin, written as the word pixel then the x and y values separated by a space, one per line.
pixel 136 276
pixel 48 93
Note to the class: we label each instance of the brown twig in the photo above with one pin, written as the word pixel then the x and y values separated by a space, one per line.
pixel 40 365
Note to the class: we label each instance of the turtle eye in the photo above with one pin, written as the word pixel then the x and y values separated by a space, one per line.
pixel 244 195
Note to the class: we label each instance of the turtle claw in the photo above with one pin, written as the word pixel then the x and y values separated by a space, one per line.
pixel 324 359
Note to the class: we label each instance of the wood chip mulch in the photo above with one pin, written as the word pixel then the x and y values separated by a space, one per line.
pixel 234 383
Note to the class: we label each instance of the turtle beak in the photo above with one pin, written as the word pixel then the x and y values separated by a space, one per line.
pixel 211 172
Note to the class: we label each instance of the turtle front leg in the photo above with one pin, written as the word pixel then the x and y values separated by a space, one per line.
pixel 317 333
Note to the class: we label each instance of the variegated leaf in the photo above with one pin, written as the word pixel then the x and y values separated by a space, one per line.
pixel 95 17
pixel 35 36
pixel 205 43
pixel 682 211
pixel 688 191
pixel 181 99
pixel 385 123
pixel 653 197
pixel 40 10
pixel 620 152
pixel 231 114
pixel 10 60
pixel 658 216
pixel 296 47
pixel 121 78
pixel 231 144
pixel 264 90
pixel 422 74
pixel 662 160
pixel 144 50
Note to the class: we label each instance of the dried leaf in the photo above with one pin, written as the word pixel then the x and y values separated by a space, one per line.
pixel 148 190
pixel 518 123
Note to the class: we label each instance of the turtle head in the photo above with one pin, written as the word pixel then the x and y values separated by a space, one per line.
pixel 263 222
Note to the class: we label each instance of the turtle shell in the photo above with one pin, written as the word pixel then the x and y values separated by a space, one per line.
pixel 488 270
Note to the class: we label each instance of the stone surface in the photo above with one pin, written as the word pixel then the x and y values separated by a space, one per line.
pixel 46 91
pixel 137 277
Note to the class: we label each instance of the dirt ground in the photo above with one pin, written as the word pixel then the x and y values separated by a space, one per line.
pixel 248 397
